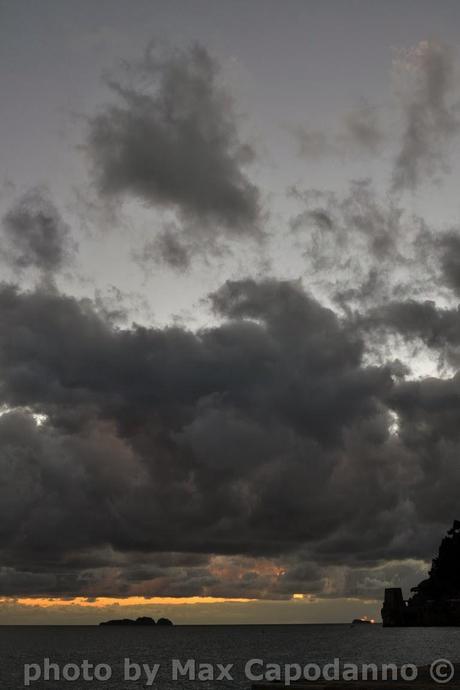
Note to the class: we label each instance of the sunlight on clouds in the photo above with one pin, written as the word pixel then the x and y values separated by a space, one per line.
pixel 393 427
pixel 100 602
pixel 421 361
pixel 38 418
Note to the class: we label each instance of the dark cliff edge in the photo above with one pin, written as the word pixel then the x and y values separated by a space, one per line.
pixel 436 600
pixel 143 620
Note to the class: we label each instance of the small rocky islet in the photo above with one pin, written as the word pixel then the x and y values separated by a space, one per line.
pixel 143 620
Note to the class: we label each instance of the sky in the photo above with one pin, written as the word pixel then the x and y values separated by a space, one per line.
pixel 229 324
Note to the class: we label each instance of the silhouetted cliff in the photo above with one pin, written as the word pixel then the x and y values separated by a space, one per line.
pixel 436 600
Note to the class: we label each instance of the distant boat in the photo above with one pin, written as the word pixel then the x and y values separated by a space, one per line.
pixel 361 621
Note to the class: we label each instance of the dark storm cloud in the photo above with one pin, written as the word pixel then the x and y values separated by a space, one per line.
pixel 449 248
pixel 170 139
pixel 158 439
pixel 430 120
pixel 257 446
pixel 429 418
pixel 438 328
pixel 35 235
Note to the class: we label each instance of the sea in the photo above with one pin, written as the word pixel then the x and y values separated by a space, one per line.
pixel 189 657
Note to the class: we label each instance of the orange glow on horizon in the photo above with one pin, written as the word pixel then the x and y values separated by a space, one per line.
pixel 101 602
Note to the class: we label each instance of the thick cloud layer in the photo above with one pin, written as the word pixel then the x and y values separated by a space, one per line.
pixel 260 451
pixel 438 328
pixel 170 139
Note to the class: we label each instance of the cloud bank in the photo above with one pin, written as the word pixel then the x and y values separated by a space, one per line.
pixel 255 458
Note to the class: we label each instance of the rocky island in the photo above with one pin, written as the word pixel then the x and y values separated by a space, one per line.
pixel 143 620
pixel 436 600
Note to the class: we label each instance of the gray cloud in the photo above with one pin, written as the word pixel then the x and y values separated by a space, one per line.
pixel 35 235
pixel 449 250
pixel 264 441
pixel 430 121
pixel 170 139
pixel 171 247
pixel 438 328
pixel 362 128
pixel 172 251
pixel 359 132
pixel 314 143
pixel 364 248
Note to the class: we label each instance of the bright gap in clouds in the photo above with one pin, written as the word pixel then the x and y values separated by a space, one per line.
pixel 38 417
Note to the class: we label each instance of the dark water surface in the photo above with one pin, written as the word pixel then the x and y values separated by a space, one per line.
pixel 210 644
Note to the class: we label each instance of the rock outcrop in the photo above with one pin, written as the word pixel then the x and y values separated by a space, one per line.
pixel 436 600
pixel 143 620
